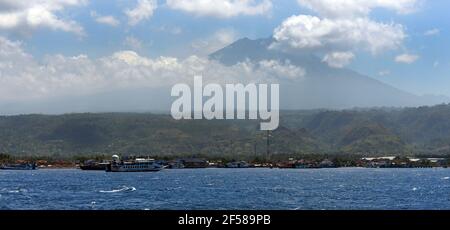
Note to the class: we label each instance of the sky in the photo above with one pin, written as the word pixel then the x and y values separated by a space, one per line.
pixel 71 47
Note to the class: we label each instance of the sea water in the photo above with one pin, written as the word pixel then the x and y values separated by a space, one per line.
pixel 217 189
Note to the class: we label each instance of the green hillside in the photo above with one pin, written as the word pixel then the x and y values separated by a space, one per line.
pixel 412 131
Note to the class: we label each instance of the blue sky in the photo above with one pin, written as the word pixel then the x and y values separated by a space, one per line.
pixel 431 73
pixel 103 40
pixel 174 31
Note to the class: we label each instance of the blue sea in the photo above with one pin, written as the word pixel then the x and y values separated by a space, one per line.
pixel 217 189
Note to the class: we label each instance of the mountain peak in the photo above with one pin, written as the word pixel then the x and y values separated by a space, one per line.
pixel 323 86
pixel 257 50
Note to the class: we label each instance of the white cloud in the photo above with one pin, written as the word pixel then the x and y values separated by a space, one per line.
pixel 22 78
pixel 342 27
pixel 406 58
pixel 338 59
pixel 143 11
pixel 284 70
pixel 310 32
pixel 132 42
pixel 25 16
pixel 432 32
pixel 222 8
pixel 106 20
pixel 357 8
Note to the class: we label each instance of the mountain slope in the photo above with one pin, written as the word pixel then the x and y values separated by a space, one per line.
pixel 323 86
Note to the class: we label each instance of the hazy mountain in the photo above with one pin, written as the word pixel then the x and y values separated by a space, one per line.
pixel 323 86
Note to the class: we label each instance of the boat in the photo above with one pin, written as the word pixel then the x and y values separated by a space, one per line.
pixel 188 163
pixel 176 165
pixel 240 164
pixel 92 165
pixel 27 166
pixel 136 165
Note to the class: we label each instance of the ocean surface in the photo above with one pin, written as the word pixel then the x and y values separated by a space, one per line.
pixel 183 189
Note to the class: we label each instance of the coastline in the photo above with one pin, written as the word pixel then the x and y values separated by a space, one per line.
pixel 234 169
pixel 301 162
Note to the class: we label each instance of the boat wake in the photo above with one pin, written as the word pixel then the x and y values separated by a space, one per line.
pixel 123 189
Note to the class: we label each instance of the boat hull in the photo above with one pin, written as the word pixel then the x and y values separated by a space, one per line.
pixel 93 167
pixel 18 167
pixel 134 168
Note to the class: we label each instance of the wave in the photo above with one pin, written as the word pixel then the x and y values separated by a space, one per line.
pixel 20 190
pixel 445 178
pixel 123 189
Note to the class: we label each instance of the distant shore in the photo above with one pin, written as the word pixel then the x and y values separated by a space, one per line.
pixel 301 162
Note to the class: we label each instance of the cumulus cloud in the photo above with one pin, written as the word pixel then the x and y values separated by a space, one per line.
pixel 106 20
pixel 25 16
pixel 23 78
pixel 143 11
pixel 338 59
pixel 310 32
pixel 222 8
pixel 406 58
pixel 342 27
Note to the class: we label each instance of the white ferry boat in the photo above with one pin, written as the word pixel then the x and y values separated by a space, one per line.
pixel 136 165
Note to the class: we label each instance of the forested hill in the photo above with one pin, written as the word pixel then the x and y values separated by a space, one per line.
pixel 412 131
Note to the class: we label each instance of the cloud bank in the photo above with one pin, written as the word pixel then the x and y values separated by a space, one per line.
pixel 26 16
pixel 59 76
pixel 342 27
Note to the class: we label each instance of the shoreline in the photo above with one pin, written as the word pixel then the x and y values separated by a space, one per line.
pixel 211 168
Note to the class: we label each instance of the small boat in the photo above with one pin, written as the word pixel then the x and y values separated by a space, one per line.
pixel 27 166
pixel 136 165
pixel 92 165
pixel 176 165
pixel 240 164
pixel 99 166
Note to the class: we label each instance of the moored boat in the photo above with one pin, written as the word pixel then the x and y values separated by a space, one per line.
pixel 136 165
pixel 92 165
pixel 25 166
pixel 240 164
pixel 99 166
